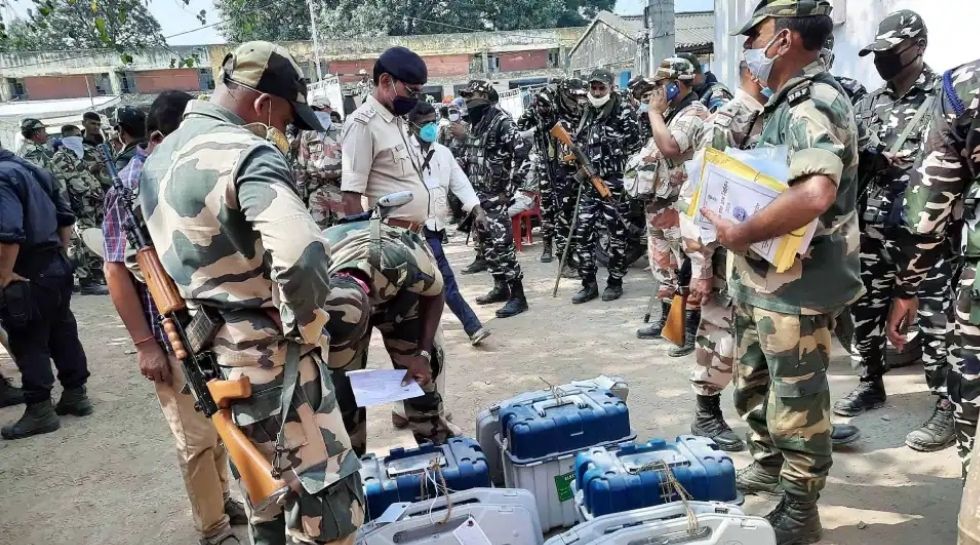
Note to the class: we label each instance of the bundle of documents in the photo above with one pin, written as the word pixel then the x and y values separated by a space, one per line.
pixel 721 182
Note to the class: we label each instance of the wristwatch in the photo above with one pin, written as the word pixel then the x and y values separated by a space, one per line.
pixel 425 354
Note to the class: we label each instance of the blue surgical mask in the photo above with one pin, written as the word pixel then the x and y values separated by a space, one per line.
pixel 767 92
pixel 429 132
pixel 644 108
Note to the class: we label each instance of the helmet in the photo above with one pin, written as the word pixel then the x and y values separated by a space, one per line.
pixel 570 92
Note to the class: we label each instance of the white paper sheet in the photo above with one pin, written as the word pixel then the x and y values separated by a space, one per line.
pixel 380 386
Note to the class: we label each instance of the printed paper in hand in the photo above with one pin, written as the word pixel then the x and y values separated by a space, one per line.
pixel 379 386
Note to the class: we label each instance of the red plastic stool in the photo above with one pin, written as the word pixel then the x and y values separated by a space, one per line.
pixel 521 224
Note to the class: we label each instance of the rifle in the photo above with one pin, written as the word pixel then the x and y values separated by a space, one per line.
pixel 189 338
pixel 586 172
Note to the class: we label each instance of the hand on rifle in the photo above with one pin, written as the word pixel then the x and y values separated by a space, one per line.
pixel 153 361
pixel 418 368
pixel 700 291
pixel 479 217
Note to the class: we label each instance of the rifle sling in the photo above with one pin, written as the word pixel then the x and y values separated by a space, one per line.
pixel 913 124
pixel 290 376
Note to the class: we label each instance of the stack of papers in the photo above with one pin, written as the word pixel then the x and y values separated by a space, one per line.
pixel 736 191
pixel 379 386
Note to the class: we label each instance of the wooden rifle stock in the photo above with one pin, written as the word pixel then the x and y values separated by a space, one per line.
pixel 162 287
pixel 585 167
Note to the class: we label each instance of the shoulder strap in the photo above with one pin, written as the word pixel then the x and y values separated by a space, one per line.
pixel 954 99
pixel 920 114
pixel 290 376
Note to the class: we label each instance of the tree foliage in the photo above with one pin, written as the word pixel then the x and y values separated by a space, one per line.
pixel 124 25
pixel 274 21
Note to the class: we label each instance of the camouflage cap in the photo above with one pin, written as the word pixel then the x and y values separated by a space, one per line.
pixel 602 75
pixel 269 68
pixel 896 28
pixel 676 68
pixel 639 86
pixel 784 8
pixel 479 86
pixel 31 124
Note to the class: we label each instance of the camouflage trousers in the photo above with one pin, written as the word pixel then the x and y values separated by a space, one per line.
pixel 870 312
pixel 87 264
pixel 331 517
pixel 781 391
pixel 592 210
pixel 326 205
pixel 963 380
pixel 665 253
pixel 398 321
pixel 497 239
pixel 564 193
pixel 714 352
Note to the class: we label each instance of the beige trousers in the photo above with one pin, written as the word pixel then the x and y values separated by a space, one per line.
pixel 200 454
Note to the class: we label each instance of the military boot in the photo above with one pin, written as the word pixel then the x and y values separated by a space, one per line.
pixel 614 289
pixel 937 433
pixel 757 478
pixel 546 255
pixel 74 401
pixel 499 294
pixel 589 291
pixel 843 434
pixel 223 538
pixel 869 394
pixel 691 323
pixel 569 272
pixel 92 288
pixel 479 265
pixel 710 423
pixel 38 418
pixel 517 302
pixel 237 516
pixel 653 330
pixel 796 521
pixel 9 394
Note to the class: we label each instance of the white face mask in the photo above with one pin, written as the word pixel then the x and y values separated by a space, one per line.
pixel 599 102
pixel 324 119
pixel 74 143
pixel 759 64
pixel 454 116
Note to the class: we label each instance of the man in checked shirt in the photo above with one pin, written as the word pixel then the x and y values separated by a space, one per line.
pixel 202 457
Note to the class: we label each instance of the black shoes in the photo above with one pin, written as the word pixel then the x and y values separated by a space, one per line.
pixel 937 433
pixel 75 402
pixel 756 479
pixel 546 255
pixel 517 303
pixel 613 291
pixel 479 265
pixel 843 434
pixel 9 394
pixel 691 323
pixel 499 294
pixel 93 288
pixel 589 291
pixel 653 330
pixel 796 521
pixel 867 396
pixel 709 422
pixel 38 418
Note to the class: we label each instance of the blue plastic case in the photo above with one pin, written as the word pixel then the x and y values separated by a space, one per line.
pixel 627 479
pixel 541 427
pixel 398 476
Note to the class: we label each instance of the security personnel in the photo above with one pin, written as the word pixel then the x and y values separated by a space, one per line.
pixel 711 92
pixel 319 167
pixel 784 321
pixel 257 259
pixel 608 134
pixel 36 283
pixel 495 153
pixel 895 116
pixel 130 129
pixel 559 102
pixel 676 117
pixel 948 177
pixel 35 148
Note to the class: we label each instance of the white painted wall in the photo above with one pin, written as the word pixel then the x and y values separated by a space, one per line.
pixel 954 34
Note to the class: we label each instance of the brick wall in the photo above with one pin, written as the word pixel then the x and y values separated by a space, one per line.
pixel 439 66
pixel 523 60
pixel 53 87
pixel 347 70
pixel 157 81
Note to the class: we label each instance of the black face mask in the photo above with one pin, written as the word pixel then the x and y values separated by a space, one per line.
pixel 477 108
pixel 402 105
pixel 889 64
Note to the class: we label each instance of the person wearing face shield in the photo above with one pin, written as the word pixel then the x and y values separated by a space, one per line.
pixel 495 153
pixel 676 118
pixel 318 161
pixel 891 114
pixel 784 321
pixel 220 205
pixel 608 134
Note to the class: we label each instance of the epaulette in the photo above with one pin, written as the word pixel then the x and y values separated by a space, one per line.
pixel 364 116
pixel 799 95
pixel 723 118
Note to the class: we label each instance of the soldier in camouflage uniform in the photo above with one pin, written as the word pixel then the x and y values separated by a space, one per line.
pixel 35 148
pixel 557 103
pixel 711 92
pixel 677 120
pixel 948 178
pixel 86 195
pixel 784 321
pixel 894 121
pixel 400 280
pixel 319 164
pixel 607 135
pixel 495 153
pixel 221 207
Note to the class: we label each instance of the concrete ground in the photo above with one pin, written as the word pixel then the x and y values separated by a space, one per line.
pixel 112 478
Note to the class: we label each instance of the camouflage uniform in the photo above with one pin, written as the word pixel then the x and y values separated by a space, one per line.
pixel 948 177
pixel 38 154
pixel 854 89
pixel 222 210
pixel 783 321
pixel 398 277
pixel 608 136
pixel 494 154
pixel 686 122
pixel 86 196
pixel 887 116
pixel 93 157
pixel 713 94
pixel 318 164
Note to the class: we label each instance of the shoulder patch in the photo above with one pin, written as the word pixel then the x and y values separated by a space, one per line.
pixel 365 115
pixel 723 118
pixel 799 95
